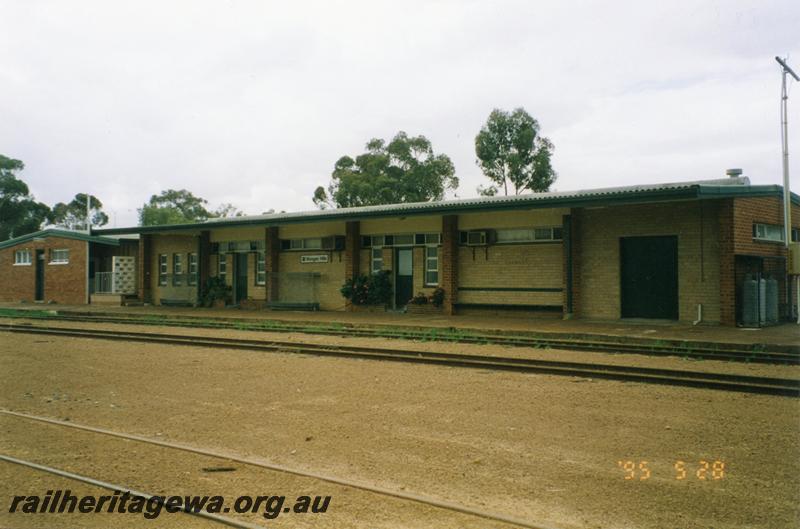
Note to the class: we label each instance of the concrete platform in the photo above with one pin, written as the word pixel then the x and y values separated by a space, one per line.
pixel 787 335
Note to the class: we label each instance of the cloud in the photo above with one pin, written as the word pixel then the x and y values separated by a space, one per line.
pixel 252 102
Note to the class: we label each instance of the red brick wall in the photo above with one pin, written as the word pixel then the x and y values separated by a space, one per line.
pixel 449 263
pixel 63 283
pixel 727 279
pixel 763 210
pixel 736 227
pixel 352 253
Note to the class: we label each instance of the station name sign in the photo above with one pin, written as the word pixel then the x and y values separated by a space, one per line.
pixel 306 259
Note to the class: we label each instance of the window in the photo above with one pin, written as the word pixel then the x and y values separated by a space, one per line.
pixel 162 269
pixel 377 260
pixel 795 234
pixel 302 244
pixel 428 238
pixel 261 268
pixel 517 235
pixel 520 235
pixel 59 256
pixel 177 269
pixel 191 280
pixel 431 265
pixel 222 265
pixel 405 239
pixel 768 232
pixel 22 257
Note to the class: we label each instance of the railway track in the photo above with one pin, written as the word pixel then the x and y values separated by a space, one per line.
pixel 233 458
pixel 223 520
pixel 670 377
pixel 651 348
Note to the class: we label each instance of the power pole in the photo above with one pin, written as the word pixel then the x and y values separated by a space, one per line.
pixel 787 195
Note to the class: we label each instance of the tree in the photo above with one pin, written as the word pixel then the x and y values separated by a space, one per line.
pixel 511 151
pixel 173 207
pixel 19 211
pixel 405 170
pixel 72 216
pixel 227 210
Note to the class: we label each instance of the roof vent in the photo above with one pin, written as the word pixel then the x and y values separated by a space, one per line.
pixel 734 173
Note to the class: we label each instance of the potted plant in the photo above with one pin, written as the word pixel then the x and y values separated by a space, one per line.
pixel 424 304
pixel 215 293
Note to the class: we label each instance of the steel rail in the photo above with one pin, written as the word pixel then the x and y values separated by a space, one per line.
pixel 110 486
pixel 702 380
pixel 699 352
pixel 417 498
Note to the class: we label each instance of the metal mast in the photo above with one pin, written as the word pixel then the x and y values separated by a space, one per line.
pixel 787 196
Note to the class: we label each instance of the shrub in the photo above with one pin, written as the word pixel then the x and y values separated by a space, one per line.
pixel 215 288
pixel 373 289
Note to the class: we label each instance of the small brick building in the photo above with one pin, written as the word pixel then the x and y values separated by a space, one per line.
pixel 54 266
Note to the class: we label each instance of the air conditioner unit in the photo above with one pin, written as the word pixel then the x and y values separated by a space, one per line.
pixel 479 237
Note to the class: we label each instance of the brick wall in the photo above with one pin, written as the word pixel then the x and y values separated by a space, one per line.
pixel 696 224
pixel 535 269
pixel 170 245
pixel 328 284
pixel 63 283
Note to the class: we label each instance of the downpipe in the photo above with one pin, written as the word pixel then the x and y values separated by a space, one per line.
pixel 699 314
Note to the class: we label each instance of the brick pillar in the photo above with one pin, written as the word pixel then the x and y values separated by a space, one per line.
pixel 144 266
pixel 352 253
pixel 272 247
pixel 203 260
pixel 727 264
pixel 567 268
pixel 448 264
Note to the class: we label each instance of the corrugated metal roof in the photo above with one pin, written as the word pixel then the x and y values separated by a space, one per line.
pixel 528 198
pixel 738 186
pixel 66 234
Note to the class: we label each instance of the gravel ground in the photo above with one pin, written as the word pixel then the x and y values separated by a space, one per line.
pixel 540 448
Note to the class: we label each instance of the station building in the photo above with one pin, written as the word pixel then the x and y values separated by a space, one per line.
pixel 680 251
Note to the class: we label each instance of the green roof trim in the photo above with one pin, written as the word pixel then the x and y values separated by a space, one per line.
pixel 641 194
pixel 65 234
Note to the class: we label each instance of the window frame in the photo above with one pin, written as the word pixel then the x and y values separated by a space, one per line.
pixel 376 251
pixel 177 269
pixel 428 269
pixel 765 237
pixel 59 261
pixel 261 268
pixel 222 265
pixel 163 269
pixel 23 262
pixel 191 269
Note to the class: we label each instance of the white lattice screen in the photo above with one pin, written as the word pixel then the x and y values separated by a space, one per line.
pixel 124 274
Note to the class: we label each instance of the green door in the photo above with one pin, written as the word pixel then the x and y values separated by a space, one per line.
pixel 649 277
pixel 404 277
pixel 240 277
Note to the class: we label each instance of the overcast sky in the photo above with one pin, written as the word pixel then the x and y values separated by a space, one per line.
pixel 253 102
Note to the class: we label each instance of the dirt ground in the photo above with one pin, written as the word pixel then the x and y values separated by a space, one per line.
pixel 540 448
